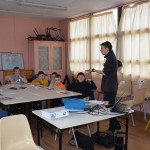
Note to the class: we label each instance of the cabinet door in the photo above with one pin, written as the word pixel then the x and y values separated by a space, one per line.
pixel 58 57
pixel 42 58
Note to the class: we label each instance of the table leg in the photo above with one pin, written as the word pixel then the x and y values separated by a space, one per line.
pixel 60 139
pixel 38 130
pixel 126 135
pixel 29 110
pixel 97 125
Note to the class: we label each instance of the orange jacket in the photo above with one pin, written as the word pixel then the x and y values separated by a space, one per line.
pixel 59 86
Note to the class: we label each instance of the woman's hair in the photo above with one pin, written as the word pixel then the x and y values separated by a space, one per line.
pixel 107 44
pixel 119 63
pixel 81 73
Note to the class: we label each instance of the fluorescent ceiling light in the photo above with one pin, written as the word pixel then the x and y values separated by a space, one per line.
pixel 39 5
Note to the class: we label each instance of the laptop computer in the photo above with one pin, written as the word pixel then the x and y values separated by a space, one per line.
pixel 119 107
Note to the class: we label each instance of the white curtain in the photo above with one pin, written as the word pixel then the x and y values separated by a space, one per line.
pixel 103 28
pixel 79 49
pixel 134 41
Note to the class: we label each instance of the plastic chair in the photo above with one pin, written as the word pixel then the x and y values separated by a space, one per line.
pixel 146 84
pixel 16 134
pixel 138 100
pixel 124 89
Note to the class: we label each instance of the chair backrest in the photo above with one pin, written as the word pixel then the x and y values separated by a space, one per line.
pixel 139 96
pixel 124 89
pixel 146 84
pixel 16 133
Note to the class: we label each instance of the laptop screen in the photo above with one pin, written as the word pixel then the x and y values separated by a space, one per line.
pixel 118 101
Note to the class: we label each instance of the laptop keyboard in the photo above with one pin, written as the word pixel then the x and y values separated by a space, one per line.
pixel 121 108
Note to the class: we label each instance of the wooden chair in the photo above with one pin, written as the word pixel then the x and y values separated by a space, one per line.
pixel 16 134
pixel 138 100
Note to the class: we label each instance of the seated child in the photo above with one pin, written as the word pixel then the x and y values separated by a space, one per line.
pixel 52 80
pixel 57 86
pixel 41 80
pixel 17 77
pixel 93 87
pixel 81 86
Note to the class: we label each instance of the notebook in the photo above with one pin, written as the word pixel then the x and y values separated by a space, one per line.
pixel 119 107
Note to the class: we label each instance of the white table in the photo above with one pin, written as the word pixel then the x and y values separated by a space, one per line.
pixel 30 94
pixel 74 120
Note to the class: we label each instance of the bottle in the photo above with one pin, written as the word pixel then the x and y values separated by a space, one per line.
pixel 8 81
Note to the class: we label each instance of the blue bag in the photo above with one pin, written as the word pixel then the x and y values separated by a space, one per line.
pixel 75 103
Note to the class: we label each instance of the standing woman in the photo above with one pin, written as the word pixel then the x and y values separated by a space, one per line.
pixel 109 83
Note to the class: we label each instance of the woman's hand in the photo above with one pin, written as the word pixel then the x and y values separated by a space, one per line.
pixel 89 70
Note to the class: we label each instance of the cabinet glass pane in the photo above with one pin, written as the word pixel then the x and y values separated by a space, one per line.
pixel 57 58
pixel 43 58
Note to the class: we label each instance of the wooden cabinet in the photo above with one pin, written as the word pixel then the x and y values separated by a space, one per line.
pixel 47 56
pixel 5 74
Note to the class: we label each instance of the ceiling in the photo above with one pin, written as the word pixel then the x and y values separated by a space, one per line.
pixel 73 8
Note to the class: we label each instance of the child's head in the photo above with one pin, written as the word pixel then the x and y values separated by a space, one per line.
pixel 80 77
pixel 16 71
pixel 53 75
pixel 57 78
pixel 41 75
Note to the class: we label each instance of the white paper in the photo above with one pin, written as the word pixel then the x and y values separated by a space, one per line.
pixel 96 102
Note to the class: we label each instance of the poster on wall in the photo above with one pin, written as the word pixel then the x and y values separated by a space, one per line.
pixel 1 66
pixel 9 61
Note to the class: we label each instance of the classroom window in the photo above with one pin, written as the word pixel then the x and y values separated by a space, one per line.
pixel 79 54
pixel 103 28
pixel 85 37
pixel 134 41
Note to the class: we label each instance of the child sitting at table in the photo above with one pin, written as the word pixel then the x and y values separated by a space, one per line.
pixel 41 80
pixel 17 77
pixel 52 80
pixel 82 86
pixel 58 85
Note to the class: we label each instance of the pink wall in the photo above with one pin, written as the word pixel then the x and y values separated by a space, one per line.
pixel 64 32
pixel 64 25
pixel 15 30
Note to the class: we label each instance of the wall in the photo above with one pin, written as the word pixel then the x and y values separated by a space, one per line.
pixel 64 25
pixel 14 31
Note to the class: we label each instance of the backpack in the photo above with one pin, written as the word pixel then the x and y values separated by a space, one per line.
pixel 103 138
pixel 85 142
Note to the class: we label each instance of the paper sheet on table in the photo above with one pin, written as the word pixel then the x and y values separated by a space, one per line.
pixel 96 102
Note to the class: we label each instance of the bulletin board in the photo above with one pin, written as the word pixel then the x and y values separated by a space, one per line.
pixel 9 61
pixel 1 66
